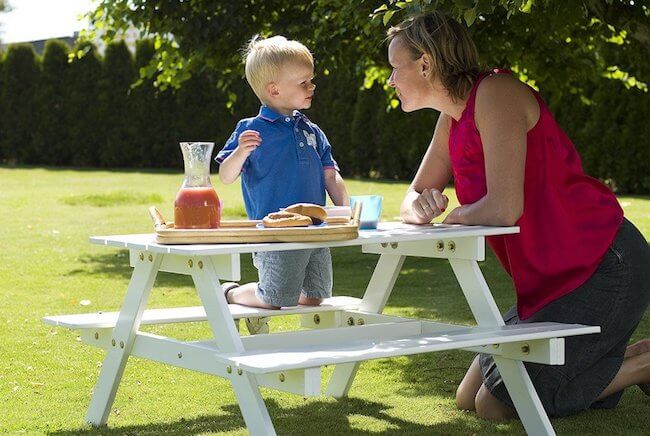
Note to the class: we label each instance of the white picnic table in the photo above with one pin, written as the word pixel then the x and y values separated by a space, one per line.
pixel 343 331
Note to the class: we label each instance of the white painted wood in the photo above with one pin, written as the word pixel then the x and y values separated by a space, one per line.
pixel 126 327
pixel 251 404
pixel 386 233
pixel 193 314
pixel 376 341
pixel 472 248
pixel 320 320
pixel 477 293
pixel 200 357
pixel 227 339
pixel 374 299
pixel 524 396
pixel 546 351
pixel 480 300
pixel 303 382
pixel 227 265
pixel 331 337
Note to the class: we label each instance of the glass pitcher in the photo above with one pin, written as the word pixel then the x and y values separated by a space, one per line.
pixel 197 205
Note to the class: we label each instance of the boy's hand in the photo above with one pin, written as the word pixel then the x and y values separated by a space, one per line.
pixel 249 140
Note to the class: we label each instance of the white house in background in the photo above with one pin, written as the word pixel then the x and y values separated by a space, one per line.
pixel 130 36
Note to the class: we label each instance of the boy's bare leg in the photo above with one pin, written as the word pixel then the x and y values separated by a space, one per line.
pixel 309 301
pixel 245 295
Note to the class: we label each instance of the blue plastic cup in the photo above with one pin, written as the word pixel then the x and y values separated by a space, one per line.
pixel 371 210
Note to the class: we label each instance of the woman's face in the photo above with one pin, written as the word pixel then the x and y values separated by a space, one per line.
pixel 409 77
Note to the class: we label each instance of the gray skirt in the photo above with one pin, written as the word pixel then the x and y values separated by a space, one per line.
pixel 614 298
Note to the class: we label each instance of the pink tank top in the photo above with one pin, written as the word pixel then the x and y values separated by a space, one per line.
pixel 569 219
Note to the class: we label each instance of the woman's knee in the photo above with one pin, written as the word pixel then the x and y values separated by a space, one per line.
pixel 489 407
pixel 465 398
pixel 469 386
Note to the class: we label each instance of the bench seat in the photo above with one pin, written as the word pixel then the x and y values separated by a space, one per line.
pixel 335 346
pixel 194 314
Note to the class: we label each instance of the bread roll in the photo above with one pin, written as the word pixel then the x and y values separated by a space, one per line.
pixel 317 213
pixel 286 219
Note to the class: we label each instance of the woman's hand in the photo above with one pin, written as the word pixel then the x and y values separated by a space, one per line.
pixel 454 217
pixel 421 208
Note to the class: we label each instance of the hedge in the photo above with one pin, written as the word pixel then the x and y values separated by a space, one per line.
pixel 86 113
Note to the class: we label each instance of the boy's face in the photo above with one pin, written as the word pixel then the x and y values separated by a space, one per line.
pixel 294 89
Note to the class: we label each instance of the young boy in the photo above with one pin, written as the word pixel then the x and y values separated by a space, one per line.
pixel 283 159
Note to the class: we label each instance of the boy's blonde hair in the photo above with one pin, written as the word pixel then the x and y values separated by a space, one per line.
pixel 266 57
pixel 448 44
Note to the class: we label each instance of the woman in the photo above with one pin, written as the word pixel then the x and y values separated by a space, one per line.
pixel 576 258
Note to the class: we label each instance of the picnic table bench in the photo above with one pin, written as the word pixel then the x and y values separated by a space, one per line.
pixel 343 331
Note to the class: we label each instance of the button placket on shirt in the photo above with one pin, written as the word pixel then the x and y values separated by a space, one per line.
pixel 297 138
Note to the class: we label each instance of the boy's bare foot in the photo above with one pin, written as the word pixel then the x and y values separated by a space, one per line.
pixel 227 287
pixel 640 347
pixel 257 326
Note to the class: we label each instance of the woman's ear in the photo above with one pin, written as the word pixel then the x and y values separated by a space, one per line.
pixel 425 65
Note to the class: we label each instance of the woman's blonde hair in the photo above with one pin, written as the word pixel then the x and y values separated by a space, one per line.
pixel 266 57
pixel 453 54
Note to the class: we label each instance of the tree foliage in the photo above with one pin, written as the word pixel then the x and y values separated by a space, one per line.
pixel 52 106
pixel 560 44
pixel 21 74
pixel 118 73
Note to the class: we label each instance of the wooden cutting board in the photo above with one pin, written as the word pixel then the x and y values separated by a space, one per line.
pixel 250 231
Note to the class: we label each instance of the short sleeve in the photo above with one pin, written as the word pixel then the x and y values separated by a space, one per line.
pixel 231 144
pixel 325 150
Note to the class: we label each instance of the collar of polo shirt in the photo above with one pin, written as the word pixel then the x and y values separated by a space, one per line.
pixel 268 114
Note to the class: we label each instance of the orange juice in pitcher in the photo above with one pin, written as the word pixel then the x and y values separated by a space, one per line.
pixel 197 205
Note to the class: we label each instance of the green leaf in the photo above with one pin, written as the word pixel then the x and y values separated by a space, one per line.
pixel 387 16
pixel 470 16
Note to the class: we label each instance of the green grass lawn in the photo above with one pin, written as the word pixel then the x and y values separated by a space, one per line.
pixel 49 267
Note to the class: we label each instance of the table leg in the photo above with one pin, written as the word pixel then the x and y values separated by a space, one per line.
pixel 124 332
pixel 521 389
pixel 377 293
pixel 251 404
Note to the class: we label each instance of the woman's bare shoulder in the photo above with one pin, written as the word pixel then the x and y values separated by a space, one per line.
pixel 509 93
pixel 505 85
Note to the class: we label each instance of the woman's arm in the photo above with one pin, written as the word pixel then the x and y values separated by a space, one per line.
pixel 505 110
pixel 424 200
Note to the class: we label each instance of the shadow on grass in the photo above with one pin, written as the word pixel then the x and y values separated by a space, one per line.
pixel 317 417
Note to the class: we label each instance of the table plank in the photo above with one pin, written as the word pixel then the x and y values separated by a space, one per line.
pixel 385 233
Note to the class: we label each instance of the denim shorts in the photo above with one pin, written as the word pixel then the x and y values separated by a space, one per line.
pixel 284 275
pixel 615 298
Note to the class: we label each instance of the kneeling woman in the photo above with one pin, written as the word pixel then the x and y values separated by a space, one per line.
pixel 576 258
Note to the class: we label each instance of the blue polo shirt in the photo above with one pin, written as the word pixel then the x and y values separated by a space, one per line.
pixel 287 167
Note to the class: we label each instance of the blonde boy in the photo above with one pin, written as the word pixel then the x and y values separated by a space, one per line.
pixel 283 158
